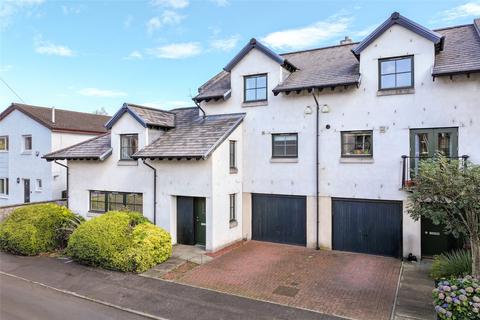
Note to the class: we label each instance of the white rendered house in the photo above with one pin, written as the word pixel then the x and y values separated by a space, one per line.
pixel 279 174
pixel 26 134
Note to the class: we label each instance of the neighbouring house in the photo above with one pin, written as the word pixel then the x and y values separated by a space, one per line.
pixel 314 148
pixel 29 132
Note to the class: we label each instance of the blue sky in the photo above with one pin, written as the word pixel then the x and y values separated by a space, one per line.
pixel 85 55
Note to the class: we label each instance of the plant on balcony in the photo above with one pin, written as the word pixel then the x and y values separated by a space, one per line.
pixel 448 193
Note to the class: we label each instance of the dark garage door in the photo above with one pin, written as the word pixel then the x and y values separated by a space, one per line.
pixel 279 218
pixel 367 226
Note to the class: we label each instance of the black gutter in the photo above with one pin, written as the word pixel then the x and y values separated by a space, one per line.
pixel 316 168
pixel 68 174
pixel 198 105
pixel 154 191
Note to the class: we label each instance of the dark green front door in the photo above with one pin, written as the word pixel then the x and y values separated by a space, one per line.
pixel 200 220
pixel 435 241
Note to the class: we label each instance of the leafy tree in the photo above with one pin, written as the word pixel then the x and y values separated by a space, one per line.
pixel 448 192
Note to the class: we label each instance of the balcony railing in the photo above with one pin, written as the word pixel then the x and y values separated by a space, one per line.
pixel 410 168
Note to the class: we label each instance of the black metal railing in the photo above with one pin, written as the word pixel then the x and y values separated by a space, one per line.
pixel 410 168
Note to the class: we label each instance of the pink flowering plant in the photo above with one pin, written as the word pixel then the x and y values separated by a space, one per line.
pixel 457 298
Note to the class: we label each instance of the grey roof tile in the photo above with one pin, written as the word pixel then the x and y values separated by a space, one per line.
pixel 461 51
pixel 145 115
pixel 97 148
pixel 193 136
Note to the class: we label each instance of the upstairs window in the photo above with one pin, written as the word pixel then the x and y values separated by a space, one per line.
pixel 233 155
pixel 27 143
pixel 285 145
pixel 3 143
pixel 357 144
pixel 128 146
pixel 255 88
pixel 39 185
pixel 395 73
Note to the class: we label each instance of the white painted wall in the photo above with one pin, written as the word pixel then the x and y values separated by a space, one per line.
pixel 439 103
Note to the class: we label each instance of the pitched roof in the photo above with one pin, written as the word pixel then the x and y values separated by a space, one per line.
pixel 320 68
pixel 97 148
pixel 461 51
pixel 193 137
pixel 146 116
pixel 254 44
pixel 65 120
pixel 337 65
pixel 397 18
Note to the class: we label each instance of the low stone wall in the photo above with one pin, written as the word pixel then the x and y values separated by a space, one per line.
pixel 6 210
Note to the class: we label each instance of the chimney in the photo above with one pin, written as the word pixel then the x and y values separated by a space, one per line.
pixel 53 114
pixel 347 40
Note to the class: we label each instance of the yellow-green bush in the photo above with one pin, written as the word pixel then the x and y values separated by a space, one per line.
pixel 34 229
pixel 119 240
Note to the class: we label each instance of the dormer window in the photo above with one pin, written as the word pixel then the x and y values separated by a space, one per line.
pixel 255 88
pixel 128 146
pixel 395 73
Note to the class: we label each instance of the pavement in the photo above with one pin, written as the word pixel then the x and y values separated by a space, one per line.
pixel 128 292
pixel 350 285
pixel 414 299
pixel 20 299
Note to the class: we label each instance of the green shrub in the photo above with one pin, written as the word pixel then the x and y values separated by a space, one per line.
pixel 457 298
pixel 120 240
pixel 452 264
pixel 34 229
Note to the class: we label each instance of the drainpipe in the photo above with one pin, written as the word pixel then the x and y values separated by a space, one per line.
pixel 198 105
pixel 316 167
pixel 68 173
pixel 154 191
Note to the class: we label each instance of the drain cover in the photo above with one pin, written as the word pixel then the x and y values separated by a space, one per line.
pixel 286 291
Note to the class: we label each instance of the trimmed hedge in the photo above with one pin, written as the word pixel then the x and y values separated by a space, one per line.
pixel 120 240
pixel 34 229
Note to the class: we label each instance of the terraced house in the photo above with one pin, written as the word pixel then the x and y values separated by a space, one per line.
pixel 315 148
pixel 29 132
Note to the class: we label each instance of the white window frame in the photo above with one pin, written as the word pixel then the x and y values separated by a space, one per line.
pixel 24 150
pixel 38 186
pixel 6 143
pixel 4 194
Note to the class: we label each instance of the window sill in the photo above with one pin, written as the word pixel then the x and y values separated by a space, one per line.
pixel 255 103
pixel 38 191
pixel 3 151
pixel 357 160
pixel 284 160
pixel 26 153
pixel 233 170
pixel 127 163
pixel 233 224
pixel 3 196
pixel 391 92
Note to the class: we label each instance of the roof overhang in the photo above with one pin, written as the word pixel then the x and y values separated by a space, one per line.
pixel 119 114
pixel 254 44
pixel 224 96
pixel 453 73
pixel 298 90
pixel 397 18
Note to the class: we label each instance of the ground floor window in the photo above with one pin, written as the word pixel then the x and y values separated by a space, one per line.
pixel 3 186
pixel 102 201
pixel 233 211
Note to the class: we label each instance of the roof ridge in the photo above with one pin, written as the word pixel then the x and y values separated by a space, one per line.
pixel 56 109
pixel 145 107
pixel 76 144
pixel 454 27
pixel 319 48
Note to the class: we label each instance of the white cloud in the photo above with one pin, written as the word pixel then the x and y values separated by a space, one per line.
pixel 95 92
pixel 66 9
pixel 153 24
pixel 176 50
pixel 366 31
pixel 225 44
pixel 49 48
pixel 308 36
pixel 134 55
pixel 6 67
pixel 127 23
pixel 176 4
pixel 8 8
pixel 469 9
pixel 221 3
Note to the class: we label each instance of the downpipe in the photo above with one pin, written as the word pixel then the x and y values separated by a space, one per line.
pixel 154 191
pixel 68 175
pixel 317 114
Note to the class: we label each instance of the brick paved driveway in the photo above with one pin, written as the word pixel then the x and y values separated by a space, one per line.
pixel 344 284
